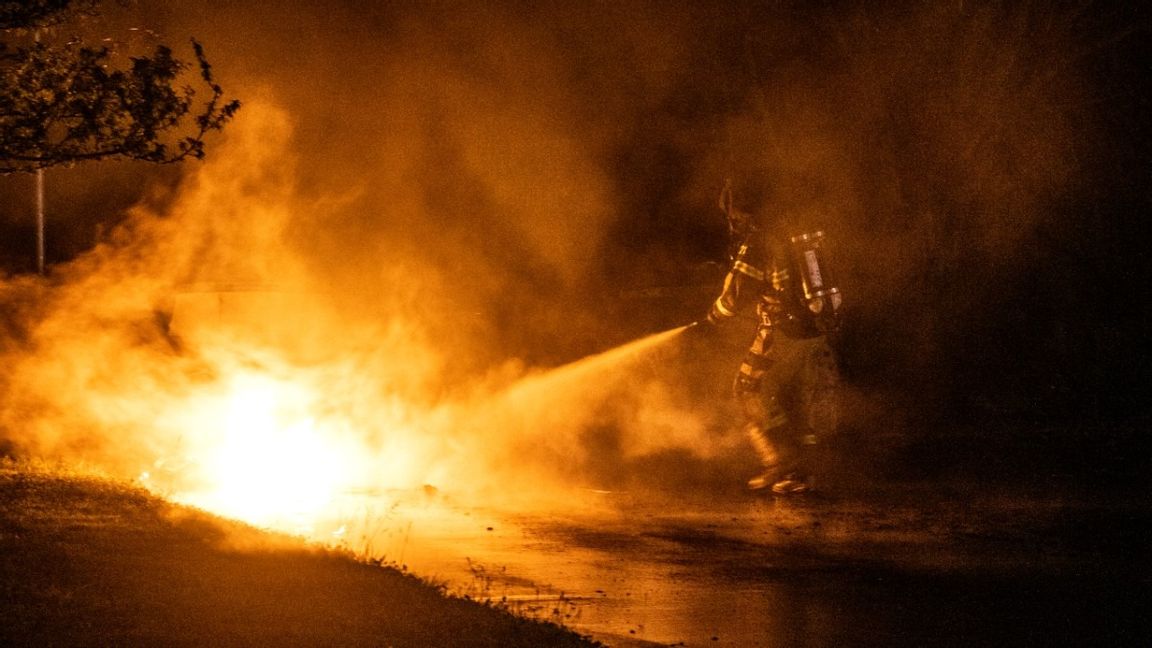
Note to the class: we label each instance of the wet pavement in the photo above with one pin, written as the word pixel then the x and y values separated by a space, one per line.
pixel 924 563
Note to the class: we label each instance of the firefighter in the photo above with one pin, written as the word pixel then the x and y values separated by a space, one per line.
pixel 763 274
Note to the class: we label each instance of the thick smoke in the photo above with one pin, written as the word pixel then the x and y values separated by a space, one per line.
pixel 205 335
pixel 420 209
pixel 945 149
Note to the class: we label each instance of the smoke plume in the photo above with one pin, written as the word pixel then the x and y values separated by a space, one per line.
pixel 420 211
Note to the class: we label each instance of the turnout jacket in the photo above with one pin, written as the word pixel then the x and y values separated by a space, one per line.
pixel 761 275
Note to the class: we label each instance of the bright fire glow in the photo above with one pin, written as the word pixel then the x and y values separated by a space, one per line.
pixel 257 452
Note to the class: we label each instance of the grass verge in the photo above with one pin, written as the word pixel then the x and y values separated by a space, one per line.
pixel 87 561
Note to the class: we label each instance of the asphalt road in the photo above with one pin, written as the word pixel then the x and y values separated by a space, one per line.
pixel 923 562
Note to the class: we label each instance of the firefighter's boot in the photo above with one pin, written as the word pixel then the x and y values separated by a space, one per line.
pixel 766 453
pixel 798 479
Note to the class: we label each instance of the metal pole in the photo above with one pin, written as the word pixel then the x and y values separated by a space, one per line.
pixel 40 221
pixel 39 206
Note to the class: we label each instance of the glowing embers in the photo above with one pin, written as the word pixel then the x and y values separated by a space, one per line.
pixel 257 452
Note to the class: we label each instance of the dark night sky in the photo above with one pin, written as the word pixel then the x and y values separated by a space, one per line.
pixel 981 167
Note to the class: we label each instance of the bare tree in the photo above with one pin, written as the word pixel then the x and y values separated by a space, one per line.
pixel 64 101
